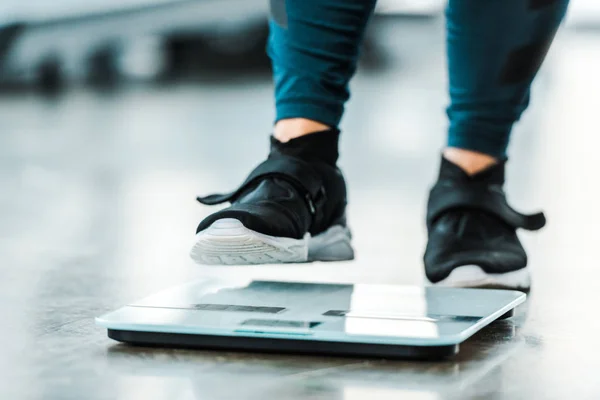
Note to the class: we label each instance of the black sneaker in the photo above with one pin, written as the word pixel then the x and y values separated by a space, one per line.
pixel 290 209
pixel 472 231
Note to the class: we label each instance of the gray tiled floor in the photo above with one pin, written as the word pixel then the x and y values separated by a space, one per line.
pixel 97 209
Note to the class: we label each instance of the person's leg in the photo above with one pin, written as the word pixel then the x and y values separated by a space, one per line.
pixel 495 48
pixel 292 206
pixel 314 46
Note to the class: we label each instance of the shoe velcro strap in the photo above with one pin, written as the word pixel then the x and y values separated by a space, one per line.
pixel 293 170
pixel 446 196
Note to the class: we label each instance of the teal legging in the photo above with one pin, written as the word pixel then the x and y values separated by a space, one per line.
pixel 495 48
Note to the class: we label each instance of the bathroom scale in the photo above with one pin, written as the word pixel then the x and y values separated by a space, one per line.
pixel 383 321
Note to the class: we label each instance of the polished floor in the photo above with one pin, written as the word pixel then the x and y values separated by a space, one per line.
pixel 97 209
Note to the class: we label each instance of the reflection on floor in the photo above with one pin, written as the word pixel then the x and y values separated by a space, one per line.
pixel 98 210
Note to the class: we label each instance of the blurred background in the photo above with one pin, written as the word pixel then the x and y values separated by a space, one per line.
pixel 52 44
pixel 114 115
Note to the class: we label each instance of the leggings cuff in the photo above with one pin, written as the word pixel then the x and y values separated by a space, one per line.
pixel 493 143
pixel 327 115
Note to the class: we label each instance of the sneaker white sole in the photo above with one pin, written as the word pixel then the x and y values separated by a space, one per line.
pixel 473 276
pixel 229 242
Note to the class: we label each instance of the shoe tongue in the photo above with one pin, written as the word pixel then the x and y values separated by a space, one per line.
pixel 319 146
pixel 491 175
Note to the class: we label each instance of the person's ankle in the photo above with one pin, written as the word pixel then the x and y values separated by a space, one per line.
pixel 469 161
pixel 292 128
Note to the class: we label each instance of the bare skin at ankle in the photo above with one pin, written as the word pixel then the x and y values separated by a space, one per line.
pixel 469 161
pixel 292 128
